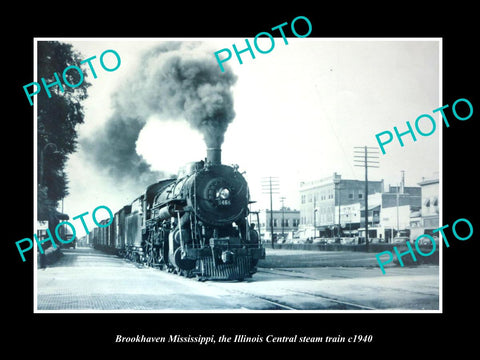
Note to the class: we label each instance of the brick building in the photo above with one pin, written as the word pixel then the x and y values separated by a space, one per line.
pixel 320 201
pixel 285 223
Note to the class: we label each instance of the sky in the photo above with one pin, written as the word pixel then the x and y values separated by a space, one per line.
pixel 299 112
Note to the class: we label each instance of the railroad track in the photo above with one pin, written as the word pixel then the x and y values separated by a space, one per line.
pixel 325 302
pixel 339 304
pixel 278 304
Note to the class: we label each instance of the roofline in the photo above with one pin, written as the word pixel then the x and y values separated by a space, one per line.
pixel 428 181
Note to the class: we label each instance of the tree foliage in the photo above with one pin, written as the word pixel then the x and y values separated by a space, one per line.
pixel 57 117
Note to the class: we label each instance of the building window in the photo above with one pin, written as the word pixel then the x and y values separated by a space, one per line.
pixel 275 222
pixel 350 196
pixel 360 196
pixel 303 199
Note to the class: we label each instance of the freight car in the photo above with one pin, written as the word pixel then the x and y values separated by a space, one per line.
pixel 195 224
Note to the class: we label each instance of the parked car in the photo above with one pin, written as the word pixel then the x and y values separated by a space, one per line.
pixel 427 243
pixel 333 240
pixel 400 240
pixel 347 240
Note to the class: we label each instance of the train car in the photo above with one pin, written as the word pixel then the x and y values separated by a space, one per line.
pixel 111 235
pixel 90 236
pixel 101 238
pixel 106 234
pixel 96 238
pixel 119 229
pixel 133 231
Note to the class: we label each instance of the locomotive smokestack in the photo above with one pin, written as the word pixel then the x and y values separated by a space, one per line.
pixel 214 156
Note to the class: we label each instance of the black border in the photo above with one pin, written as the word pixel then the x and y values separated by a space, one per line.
pixel 408 334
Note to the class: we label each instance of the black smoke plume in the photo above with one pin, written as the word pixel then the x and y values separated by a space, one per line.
pixel 174 81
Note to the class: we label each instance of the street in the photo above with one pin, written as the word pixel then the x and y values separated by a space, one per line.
pixel 88 280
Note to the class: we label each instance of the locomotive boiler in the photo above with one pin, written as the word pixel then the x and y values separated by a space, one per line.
pixel 195 224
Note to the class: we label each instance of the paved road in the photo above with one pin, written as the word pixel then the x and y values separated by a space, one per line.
pixel 283 258
pixel 88 280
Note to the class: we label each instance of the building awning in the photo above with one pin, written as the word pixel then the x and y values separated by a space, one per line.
pixel 415 214
pixel 370 208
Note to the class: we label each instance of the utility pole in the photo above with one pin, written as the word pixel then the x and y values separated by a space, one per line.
pixel 337 183
pixel 368 153
pixel 400 190
pixel 271 185
pixel 314 216
pixel 282 199
pixel 398 226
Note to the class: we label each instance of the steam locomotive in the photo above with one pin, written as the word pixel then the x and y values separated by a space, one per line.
pixel 195 224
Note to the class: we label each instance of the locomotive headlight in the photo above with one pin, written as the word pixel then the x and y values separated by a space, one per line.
pixel 223 194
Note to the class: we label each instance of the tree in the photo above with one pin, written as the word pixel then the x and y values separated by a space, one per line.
pixel 57 118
